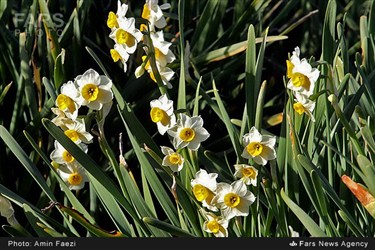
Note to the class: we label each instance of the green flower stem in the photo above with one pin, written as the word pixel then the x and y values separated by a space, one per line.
pixel 328 85
pixel 155 71
pixel 112 158
pixel 170 173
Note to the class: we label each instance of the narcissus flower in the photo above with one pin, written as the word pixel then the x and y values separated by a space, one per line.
pixel 233 199
pixel 62 156
pixel 60 119
pixel 204 188
pixel 217 225
pixel 76 131
pixel 153 13
pixel 163 55
pixel 162 114
pixel 74 176
pixel 172 159
pixel 304 105
pixel 259 147
pixel 118 53
pixel 302 76
pixel 166 73
pixel 66 100
pixel 112 17
pixel 127 35
pixel 94 89
pixel 188 132
pixel 248 174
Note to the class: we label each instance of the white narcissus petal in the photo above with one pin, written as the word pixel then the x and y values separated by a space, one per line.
pixel 121 9
pixel 260 160
pixel 239 188
pixel 295 56
pixel 166 150
pixel 205 179
pixel 254 135
pixel 269 141
pixel 89 75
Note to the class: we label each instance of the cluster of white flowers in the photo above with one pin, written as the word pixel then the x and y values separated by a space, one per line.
pixel 233 199
pixel 124 33
pixel 302 78
pixel 230 200
pixel 126 37
pixel 93 91
pixel 188 132
pixel 184 132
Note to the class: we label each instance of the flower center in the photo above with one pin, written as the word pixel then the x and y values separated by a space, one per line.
pixel 254 148
pixel 232 200
pixel 299 108
pixel 175 159
pixel 213 226
pixel 75 179
pixel 143 27
pixel 65 102
pixel 90 92
pixel 146 12
pixel 249 173
pixel 115 55
pixel 67 157
pixel 112 20
pixel 159 115
pixel 124 37
pixel 289 66
pixel 202 193
pixel 187 134
pixel 72 134
pixel 300 80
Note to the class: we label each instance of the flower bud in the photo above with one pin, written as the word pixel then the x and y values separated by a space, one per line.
pixel 331 98
pixel 139 71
